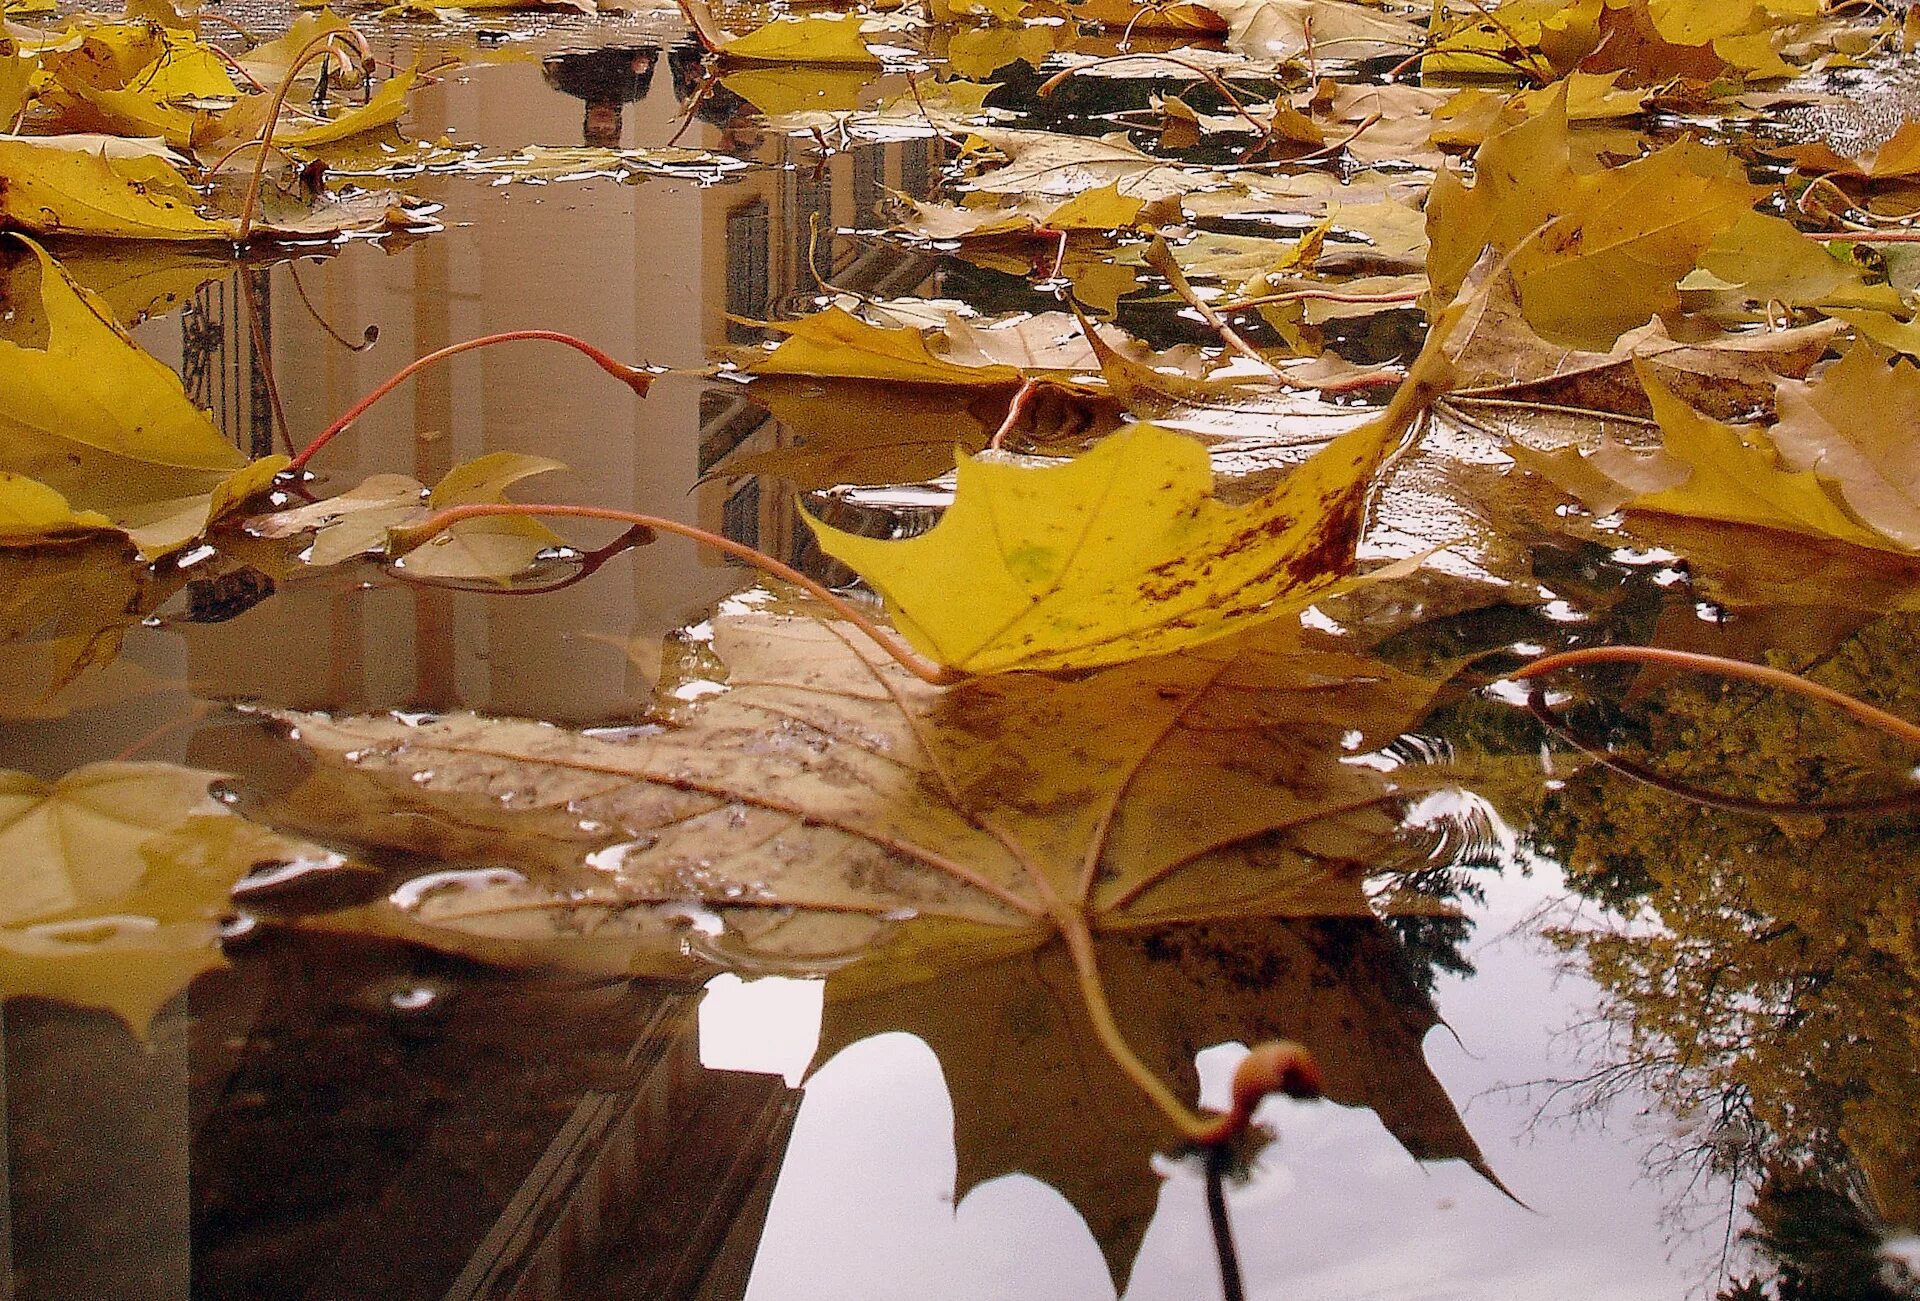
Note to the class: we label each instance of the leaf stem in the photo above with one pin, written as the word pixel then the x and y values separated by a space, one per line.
pixel 1211 77
pixel 1217 1158
pixel 1086 969
pixel 320 47
pixel 405 539
pixel 633 377
pixel 1879 719
pixel 1160 258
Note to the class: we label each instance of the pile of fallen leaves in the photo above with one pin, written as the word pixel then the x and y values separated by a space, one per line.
pixel 1615 307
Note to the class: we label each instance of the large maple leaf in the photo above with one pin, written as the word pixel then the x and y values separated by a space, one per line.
pixel 956 858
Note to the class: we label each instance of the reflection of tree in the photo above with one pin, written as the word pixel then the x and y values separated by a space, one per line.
pixel 1765 982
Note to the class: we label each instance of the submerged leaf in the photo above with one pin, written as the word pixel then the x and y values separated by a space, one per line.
pixel 114 878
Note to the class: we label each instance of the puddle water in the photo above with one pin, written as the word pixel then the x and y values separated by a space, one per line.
pixel 1677 1095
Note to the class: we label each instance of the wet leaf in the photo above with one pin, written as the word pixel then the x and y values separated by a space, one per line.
pixel 1124 552
pixel 386 106
pixel 1854 427
pixel 1616 241
pixel 1101 209
pixel 1738 478
pixel 93 418
pixel 1898 156
pixel 1770 261
pixel 814 804
pixel 357 521
pixel 113 879
pixel 1727 376
pixel 837 345
pixel 76 185
pixel 1284 29
pixel 815 38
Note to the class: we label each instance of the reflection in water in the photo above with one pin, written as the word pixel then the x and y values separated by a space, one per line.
pixel 608 80
pixel 225 331
pixel 1765 987
pixel 336 1119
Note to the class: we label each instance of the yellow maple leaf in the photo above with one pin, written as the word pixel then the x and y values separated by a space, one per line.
pixel 1611 245
pixel 103 425
pixel 386 106
pixel 1853 426
pixel 837 345
pixel 1772 261
pixel 82 185
pixel 1739 478
pixel 1124 552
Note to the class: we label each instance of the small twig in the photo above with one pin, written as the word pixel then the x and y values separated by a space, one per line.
pixel 405 539
pixel 1327 151
pixel 1211 77
pixel 940 132
pixel 1874 717
pixel 632 376
pixel 1323 295
pixel 1160 258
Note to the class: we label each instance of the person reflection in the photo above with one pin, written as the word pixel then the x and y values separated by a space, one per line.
pixel 608 80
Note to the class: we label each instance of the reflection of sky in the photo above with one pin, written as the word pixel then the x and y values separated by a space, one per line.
pixel 1336 1210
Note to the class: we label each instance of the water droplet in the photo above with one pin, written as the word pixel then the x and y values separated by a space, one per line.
pixel 415 998
pixel 412 894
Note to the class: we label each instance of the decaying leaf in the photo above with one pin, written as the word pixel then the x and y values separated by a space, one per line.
pixel 1124 553
pixel 814 804
pixel 1727 376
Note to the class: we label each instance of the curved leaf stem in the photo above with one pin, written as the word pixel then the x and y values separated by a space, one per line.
pixel 633 377
pixel 320 47
pixel 1694 661
pixel 1323 295
pixel 1865 236
pixel 1093 993
pixel 405 539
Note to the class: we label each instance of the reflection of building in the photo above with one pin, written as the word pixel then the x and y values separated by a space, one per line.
pixel 777 228
pixel 621 266
pixel 222 333
pixel 227 1158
